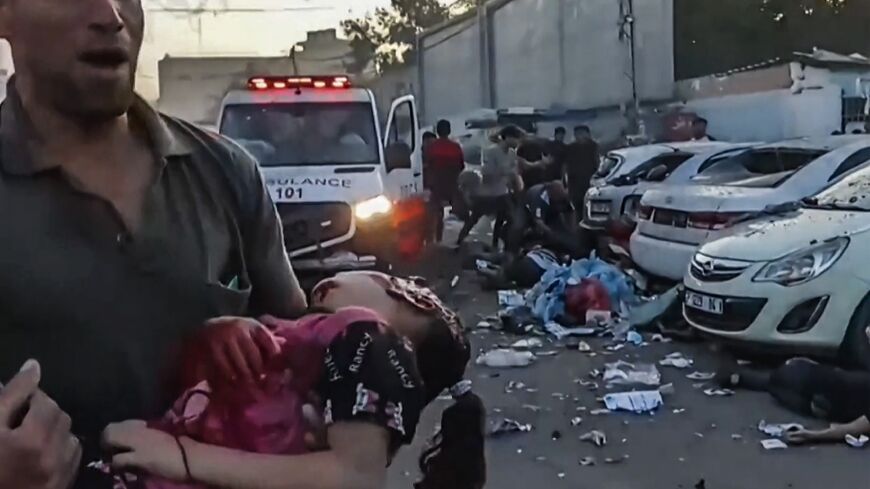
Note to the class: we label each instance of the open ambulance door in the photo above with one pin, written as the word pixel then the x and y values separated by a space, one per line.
pixel 403 157
pixel 403 153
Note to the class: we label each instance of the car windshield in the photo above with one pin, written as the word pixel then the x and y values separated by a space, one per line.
pixel 765 167
pixel 608 165
pixel 851 193
pixel 304 133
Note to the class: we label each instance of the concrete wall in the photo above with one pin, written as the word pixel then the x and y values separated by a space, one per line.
pixel 771 115
pixel 451 70
pixel 6 68
pixel 547 53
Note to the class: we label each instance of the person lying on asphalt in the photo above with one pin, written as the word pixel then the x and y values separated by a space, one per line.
pixel 812 389
pixel 131 229
pixel 240 423
pixel 522 272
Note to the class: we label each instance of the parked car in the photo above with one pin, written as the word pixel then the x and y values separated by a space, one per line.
pixel 623 161
pixel 800 281
pixel 674 220
pixel 621 196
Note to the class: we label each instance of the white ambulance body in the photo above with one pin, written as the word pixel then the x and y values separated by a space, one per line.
pixel 339 183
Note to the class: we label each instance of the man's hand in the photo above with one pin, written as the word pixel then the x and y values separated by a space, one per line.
pixel 37 449
pixel 239 347
pixel 802 436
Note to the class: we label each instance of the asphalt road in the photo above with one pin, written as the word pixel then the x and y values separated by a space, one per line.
pixel 713 439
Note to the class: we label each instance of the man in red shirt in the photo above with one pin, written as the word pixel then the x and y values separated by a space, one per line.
pixel 444 162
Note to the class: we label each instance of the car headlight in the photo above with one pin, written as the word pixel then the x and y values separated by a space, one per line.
pixel 804 265
pixel 368 209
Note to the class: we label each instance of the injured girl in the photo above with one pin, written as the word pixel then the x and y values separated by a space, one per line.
pixel 240 423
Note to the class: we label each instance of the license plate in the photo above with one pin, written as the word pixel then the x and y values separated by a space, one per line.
pixel 600 208
pixel 712 305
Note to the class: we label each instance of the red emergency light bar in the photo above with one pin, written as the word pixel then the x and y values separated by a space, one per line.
pixel 297 82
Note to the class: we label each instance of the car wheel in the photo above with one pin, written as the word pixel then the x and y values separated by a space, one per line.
pixel 856 345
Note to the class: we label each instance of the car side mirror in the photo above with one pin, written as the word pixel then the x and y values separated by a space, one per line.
pixel 397 155
pixel 657 174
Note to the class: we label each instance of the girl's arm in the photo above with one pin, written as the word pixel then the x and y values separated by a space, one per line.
pixel 357 460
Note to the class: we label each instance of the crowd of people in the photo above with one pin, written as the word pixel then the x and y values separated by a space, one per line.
pixel 532 188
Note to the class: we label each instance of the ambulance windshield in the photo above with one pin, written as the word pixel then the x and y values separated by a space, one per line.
pixel 302 134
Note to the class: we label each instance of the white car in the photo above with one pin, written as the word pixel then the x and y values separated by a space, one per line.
pixel 674 220
pixel 623 161
pixel 801 281
pixel 608 202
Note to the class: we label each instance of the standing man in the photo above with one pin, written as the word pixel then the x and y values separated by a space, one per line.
pixel 581 163
pixel 699 130
pixel 446 162
pixel 131 229
pixel 557 150
pixel 534 161
pixel 499 178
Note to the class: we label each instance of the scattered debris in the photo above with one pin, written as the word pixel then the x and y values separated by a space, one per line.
pixel 587 461
pixel 576 421
pixel 599 412
pixel 454 282
pixel 618 460
pixel 677 360
pixel 744 363
pixel 635 401
pixel 701 376
pixel 584 347
pixel 773 444
pixel 660 338
pixel 548 353
pixel 485 325
pixel 501 358
pixel 615 348
pixel 528 344
pixel 510 298
pixel 509 426
pixel 532 407
pixel 561 475
pixel 556 435
pixel 679 411
pixel 719 392
pixel 735 436
pixel 561 332
pixel 702 484
pixel 624 373
pixel 859 442
pixel 699 435
pixel 778 430
pixel 514 385
pixel 634 338
pixel 597 438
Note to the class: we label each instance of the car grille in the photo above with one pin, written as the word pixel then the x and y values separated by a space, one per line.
pixel 307 224
pixel 677 219
pixel 707 269
pixel 738 315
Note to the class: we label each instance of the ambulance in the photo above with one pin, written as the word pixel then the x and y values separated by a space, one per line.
pixel 350 195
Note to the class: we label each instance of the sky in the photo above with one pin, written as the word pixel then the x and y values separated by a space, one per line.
pixel 235 33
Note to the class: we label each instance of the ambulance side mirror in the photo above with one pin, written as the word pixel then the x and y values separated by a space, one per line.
pixel 397 155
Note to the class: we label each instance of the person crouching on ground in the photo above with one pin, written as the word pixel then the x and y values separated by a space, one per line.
pixel 547 216
pixel 373 368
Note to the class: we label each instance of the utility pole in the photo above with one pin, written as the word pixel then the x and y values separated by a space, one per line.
pixel 627 23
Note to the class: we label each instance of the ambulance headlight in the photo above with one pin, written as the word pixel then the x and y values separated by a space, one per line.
pixel 377 206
